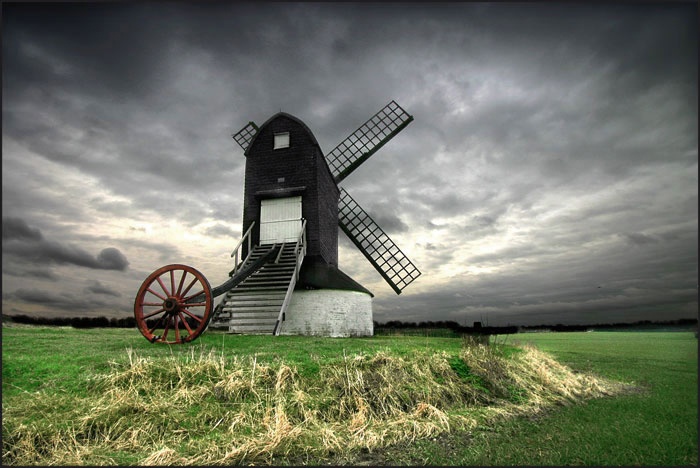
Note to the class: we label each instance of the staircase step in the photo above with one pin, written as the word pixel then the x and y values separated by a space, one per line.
pixel 268 277
pixel 268 289
pixel 239 298
pixel 260 296
pixel 274 271
pixel 266 286
pixel 248 304
pixel 260 286
pixel 265 283
pixel 278 298
pixel 255 315
pixel 253 312
pixel 276 267
pixel 289 264
pixel 268 320
pixel 239 311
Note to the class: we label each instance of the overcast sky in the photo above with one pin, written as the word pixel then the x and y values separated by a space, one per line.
pixel 550 174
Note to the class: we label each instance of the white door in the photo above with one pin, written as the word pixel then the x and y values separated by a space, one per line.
pixel 280 220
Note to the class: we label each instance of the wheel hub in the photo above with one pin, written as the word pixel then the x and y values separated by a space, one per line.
pixel 171 305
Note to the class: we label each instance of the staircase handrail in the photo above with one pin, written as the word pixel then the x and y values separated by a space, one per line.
pixel 299 253
pixel 241 274
pixel 247 236
pixel 279 255
pixel 301 242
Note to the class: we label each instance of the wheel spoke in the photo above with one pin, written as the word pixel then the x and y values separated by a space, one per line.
pixel 177 328
pixel 154 313
pixel 190 286
pixel 165 290
pixel 172 281
pixel 199 319
pixel 156 294
pixel 151 330
pixel 151 303
pixel 182 280
pixel 192 296
pixel 184 322
pixel 196 304
pixel 167 327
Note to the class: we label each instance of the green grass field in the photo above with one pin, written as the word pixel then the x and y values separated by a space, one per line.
pixel 655 425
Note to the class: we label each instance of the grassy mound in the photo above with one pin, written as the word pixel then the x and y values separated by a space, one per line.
pixel 204 409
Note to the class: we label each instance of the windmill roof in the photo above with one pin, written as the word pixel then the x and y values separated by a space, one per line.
pixel 277 116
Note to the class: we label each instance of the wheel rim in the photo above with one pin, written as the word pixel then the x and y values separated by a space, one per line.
pixel 173 305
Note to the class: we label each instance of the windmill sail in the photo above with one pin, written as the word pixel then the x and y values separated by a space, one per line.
pixel 245 135
pixel 375 244
pixel 366 140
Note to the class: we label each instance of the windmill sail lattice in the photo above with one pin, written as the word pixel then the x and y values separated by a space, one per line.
pixel 375 244
pixel 245 135
pixel 366 140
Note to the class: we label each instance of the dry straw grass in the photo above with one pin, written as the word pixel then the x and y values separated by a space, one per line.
pixel 209 409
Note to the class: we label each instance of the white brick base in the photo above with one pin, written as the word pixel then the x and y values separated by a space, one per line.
pixel 329 312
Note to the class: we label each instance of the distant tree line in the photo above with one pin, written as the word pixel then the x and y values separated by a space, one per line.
pixel 450 325
pixel 85 322
pixel 477 328
pixel 75 322
pixel 687 322
pixel 486 330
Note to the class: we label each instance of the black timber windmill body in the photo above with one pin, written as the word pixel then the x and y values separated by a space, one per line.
pixel 291 189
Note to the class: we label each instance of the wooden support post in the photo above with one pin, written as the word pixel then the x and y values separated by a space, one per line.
pixel 480 337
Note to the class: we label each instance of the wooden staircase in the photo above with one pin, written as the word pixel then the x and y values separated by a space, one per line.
pixel 256 304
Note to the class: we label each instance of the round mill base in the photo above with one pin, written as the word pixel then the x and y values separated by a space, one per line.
pixel 329 312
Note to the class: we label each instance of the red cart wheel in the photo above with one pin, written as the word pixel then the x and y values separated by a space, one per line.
pixel 173 305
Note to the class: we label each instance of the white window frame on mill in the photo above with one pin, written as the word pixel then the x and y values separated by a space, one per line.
pixel 281 140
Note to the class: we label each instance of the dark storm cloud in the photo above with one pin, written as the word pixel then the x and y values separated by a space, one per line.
pixel 191 27
pixel 32 247
pixel 74 88
pixel 600 101
pixel 111 259
pixel 17 228
pixel 165 251
pixel 54 252
pixel 96 287
pixel 638 238
pixel 63 302
pixel 221 230
pixel 388 221
pixel 105 45
pixel 18 270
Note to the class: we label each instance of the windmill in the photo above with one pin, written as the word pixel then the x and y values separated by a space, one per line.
pixel 293 206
